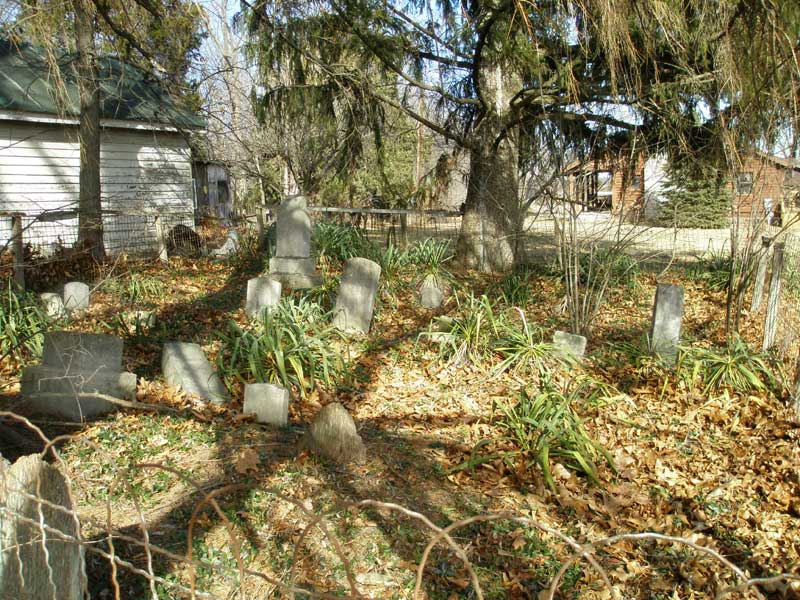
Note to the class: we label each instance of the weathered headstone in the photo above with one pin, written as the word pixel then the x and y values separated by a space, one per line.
pixel 262 292
pixel 430 294
pixel 77 369
pixel 76 296
pixel 570 343
pixel 269 402
pixel 292 264
pixel 35 562
pixel 230 246
pixel 357 291
pixel 145 319
pixel 665 332
pixel 53 305
pixel 333 434
pixel 185 365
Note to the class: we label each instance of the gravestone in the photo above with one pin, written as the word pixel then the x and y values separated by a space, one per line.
pixel 76 296
pixel 430 294
pixel 262 292
pixel 357 291
pixel 145 319
pixel 292 264
pixel 77 369
pixel 230 246
pixel 665 332
pixel 53 305
pixel 185 365
pixel 570 343
pixel 36 565
pixel 270 403
pixel 333 434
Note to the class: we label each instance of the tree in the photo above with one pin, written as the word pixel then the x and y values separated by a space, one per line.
pixel 695 198
pixel 501 72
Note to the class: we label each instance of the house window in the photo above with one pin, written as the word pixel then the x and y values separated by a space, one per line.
pixel 744 183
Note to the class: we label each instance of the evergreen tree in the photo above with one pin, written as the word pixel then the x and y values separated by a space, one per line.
pixel 695 199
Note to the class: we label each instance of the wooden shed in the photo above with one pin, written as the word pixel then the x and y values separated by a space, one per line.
pixel 145 158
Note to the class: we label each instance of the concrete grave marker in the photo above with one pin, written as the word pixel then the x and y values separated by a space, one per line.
pixel 269 402
pixel 33 564
pixel 76 296
pixel 570 343
pixel 76 370
pixel 430 294
pixel 665 332
pixel 230 246
pixel 185 365
pixel 292 264
pixel 357 291
pixel 333 434
pixel 262 292
pixel 53 305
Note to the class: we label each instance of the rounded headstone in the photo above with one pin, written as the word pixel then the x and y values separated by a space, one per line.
pixel 333 434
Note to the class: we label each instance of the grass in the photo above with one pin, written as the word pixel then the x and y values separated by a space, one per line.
pixel 333 243
pixel 736 367
pixel 22 324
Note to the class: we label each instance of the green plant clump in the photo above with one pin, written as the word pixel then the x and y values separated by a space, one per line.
pixel 334 243
pixel 469 335
pixel 290 345
pixel 737 368
pixel 431 256
pixel 713 269
pixel 22 324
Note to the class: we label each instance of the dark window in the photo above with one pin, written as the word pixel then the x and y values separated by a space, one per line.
pixel 744 183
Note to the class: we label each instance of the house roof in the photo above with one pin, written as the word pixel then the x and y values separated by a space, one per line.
pixel 27 85
pixel 787 163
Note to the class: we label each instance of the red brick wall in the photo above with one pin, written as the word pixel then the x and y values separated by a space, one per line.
pixel 768 182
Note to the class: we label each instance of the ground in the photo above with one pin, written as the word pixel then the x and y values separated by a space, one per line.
pixel 718 468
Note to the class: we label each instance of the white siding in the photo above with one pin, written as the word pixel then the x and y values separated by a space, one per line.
pixel 139 171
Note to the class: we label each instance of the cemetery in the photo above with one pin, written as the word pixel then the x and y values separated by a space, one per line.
pixel 332 379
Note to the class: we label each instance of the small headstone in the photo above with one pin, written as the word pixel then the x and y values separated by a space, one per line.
pixel 77 370
pixel 145 319
pixel 270 403
pixel 53 305
pixel 333 434
pixel 570 343
pixel 430 294
pixel 185 365
pixel 665 332
pixel 292 264
pixel 230 246
pixel 357 291
pixel 262 292
pixel 76 296
pixel 34 565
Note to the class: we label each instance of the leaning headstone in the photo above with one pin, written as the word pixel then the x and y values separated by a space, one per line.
pixel 430 294
pixel 76 296
pixel 569 343
pixel 665 332
pixel 262 292
pixel 53 305
pixel 333 435
pixel 230 246
pixel 35 561
pixel 292 264
pixel 185 365
pixel 269 402
pixel 357 291
pixel 77 370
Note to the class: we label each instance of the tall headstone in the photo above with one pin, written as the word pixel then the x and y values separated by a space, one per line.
pixel 292 264
pixel 569 343
pixel 76 296
pixel 262 292
pixel 665 332
pixel 77 369
pixel 269 402
pixel 357 291
pixel 35 561
pixel 185 365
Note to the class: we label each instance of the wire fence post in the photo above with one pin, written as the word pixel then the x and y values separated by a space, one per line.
pixel 19 250
pixel 774 297
pixel 761 274
pixel 163 256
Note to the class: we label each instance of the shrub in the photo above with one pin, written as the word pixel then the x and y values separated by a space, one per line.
pixel 334 243
pixel 22 324
pixel 523 349
pixel 290 345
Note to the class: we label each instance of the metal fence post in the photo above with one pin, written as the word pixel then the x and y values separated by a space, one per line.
pixel 19 250
pixel 761 274
pixel 774 297
pixel 162 240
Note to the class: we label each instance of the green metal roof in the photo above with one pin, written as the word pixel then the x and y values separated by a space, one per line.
pixel 126 92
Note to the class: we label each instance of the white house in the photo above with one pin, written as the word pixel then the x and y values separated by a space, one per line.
pixel 145 160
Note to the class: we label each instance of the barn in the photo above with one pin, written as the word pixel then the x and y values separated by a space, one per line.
pixel 145 162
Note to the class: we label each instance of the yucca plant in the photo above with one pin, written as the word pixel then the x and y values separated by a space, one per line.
pixel 431 256
pixel 515 289
pixel 737 368
pixel 393 261
pixel 543 427
pixel 292 345
pixel 22 324
pixel 468 336
pixel 524 349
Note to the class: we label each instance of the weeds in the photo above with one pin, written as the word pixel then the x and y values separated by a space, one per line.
pixel 137 288
pixel 468 336
pixel 22 324
pixel 431 256
pixel 713 269
pixel 334 243
pixel 738 368
pixel 515 289
pixel 524 349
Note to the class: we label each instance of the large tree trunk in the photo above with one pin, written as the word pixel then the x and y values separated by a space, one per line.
pixel 90 220
pixel 492 216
